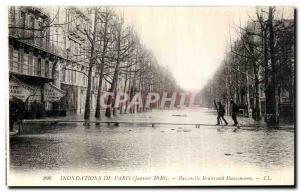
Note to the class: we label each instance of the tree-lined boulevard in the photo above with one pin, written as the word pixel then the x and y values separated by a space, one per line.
pixel 89 100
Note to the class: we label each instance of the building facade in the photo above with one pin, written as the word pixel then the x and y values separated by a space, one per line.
pixel 33 61
pixel 67 32
pixel 49 58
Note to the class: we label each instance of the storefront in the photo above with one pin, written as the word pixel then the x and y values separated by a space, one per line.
pixel 39 99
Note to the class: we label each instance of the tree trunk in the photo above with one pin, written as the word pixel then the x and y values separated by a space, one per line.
pixel 129 94
pixel 256 92
pixel 125 86
pixel 98 107
pixel 105 41
pixel 114 80
pixel 114 108
pixel 248 93
pixel 272 104
pixel 91 62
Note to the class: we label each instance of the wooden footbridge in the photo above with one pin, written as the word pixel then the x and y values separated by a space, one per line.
pixel 250 127
pixel 117 123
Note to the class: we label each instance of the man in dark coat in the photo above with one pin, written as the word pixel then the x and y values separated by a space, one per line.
pixel 221 113
pixel 234 112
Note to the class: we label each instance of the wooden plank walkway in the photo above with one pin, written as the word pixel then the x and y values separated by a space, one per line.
pixel 117 123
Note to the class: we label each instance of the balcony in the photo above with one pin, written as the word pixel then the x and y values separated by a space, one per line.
pixel 28 37
pixel 81 12
pixel 76 33
pixel 29 73
pixel 41 11
pixel 77 27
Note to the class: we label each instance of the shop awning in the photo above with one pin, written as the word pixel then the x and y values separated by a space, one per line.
pixel 31 92
pixel 23 91
pixel 52 93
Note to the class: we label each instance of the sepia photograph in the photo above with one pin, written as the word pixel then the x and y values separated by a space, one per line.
pixel 152 96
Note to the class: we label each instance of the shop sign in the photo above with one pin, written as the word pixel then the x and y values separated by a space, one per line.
pixel 52 93
pixel 23 91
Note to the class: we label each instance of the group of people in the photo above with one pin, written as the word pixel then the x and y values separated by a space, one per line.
pixel 221 113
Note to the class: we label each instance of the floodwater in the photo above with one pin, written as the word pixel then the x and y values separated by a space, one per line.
pixel 132 148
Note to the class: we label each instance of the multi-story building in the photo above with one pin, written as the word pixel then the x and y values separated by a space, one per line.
pixel 71 28
pixel 68 32
pixel 33 60
pixel 49 58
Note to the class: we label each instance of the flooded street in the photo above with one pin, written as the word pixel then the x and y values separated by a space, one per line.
pixel 159 149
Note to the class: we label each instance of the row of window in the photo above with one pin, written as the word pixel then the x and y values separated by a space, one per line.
pixel 77 78
pixel 75 21
pixel 74 77
pixel 78 53
pixel 28 64
pixel 25 24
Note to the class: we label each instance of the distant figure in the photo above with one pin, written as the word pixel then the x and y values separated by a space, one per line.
pixel 234 112
pixel 221 113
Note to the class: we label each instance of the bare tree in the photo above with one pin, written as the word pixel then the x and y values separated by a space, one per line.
pixel 106 16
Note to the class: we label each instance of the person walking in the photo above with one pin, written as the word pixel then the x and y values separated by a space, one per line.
pixel 234 112
pixel 221 113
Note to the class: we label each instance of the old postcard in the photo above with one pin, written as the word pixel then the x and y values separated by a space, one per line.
pixel 151 96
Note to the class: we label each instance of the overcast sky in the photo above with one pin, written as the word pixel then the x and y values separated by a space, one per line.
pixel 191 41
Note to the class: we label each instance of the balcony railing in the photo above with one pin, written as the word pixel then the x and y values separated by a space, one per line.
pixel 76 32
pixel 42 43
pixel 40 10
pixel 29 70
